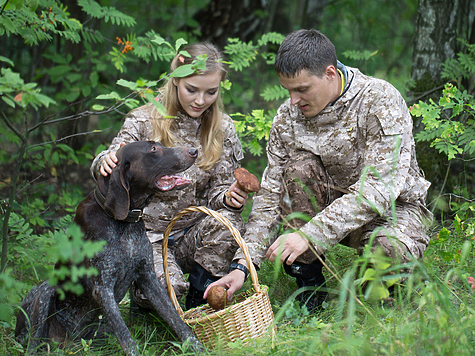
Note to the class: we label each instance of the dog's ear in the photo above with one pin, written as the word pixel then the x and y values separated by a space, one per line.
pixel 117 199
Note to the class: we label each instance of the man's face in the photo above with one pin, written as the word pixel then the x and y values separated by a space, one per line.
pixel 311 93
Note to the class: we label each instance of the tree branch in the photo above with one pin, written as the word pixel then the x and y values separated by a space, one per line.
pixel 442 188
pixel 413 101
pixel 66 137
pixel 4 6
pixel 13 128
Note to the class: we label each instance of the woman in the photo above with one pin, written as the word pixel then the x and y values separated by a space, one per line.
pixel 198 245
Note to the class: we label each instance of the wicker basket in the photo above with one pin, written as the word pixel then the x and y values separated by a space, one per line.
pixel 247 318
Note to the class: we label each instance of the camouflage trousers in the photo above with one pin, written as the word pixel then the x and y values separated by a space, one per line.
pixel 309 189
pixel 208 243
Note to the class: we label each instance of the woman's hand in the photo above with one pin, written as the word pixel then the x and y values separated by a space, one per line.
pixel 109 162
pixel 232 282
pixel 235 197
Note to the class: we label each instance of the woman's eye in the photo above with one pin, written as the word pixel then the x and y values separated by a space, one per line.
pixel 212 92
pixel 190 90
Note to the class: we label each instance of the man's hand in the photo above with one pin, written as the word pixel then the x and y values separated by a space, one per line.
pixel 232 282
pixel 289 246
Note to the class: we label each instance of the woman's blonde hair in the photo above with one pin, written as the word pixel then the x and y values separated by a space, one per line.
pixel 211 122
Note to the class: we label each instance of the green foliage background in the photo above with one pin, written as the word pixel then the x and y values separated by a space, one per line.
pixel 68 76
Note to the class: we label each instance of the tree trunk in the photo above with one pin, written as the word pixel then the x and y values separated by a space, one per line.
pixel 439 25
pixel 241 19
pixel 69 128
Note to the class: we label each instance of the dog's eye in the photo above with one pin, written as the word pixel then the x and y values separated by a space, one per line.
pixel 154 148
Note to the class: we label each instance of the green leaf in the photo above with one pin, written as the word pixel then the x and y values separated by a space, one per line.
pixel 94 78
pixel 183 71
pixel 98 107
pixel 5 59
pixel 443 235
pixel 159 40
pixel 226 84
pixel 127 84
pixel 73 77
pixel 185 53
pixel 58 72
pixel 86 90
pixel 8 101
pixel 112 95
pixel 369 275
pixel 15 4
pixel 180 42
pixel 379 291
pixel 32 4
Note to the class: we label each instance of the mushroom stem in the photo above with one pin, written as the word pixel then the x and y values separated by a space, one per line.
pixel 245 181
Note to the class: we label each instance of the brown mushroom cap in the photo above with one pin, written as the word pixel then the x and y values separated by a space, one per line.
pixel 217 297
pixel 247 180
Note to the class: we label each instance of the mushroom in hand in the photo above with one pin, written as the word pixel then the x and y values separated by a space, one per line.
pixel 246 181
pixel 217 297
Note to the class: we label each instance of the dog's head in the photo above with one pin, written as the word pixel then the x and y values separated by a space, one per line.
pixel 145 167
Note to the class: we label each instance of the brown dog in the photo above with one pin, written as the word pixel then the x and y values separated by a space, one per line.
pixel 113 213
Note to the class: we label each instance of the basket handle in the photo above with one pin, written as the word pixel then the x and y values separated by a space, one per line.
pixel 225 221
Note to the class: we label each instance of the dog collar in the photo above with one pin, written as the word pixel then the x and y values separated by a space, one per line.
pixel 134 215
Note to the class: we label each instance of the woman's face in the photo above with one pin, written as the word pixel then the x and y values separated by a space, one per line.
pixel 198 92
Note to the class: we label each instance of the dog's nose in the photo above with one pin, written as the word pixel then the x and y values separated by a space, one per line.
pixel 193 152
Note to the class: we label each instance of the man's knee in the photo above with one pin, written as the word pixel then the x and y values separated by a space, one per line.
pixel 308 188
pixel 304 166
pixel 392 248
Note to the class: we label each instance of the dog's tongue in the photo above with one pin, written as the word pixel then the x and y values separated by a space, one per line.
pixel 167 183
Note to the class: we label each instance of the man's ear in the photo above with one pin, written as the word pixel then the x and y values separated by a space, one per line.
pixel 331 72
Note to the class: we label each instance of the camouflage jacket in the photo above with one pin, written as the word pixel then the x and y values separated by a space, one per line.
pixel 207 187
pixel 368 126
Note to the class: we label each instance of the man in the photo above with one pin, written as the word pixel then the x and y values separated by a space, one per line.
pixel 340 151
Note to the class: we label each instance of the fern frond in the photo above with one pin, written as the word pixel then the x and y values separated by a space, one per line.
pixel 25 23
pixel 93 36
pixel 272 37
pixel 111 14
pixel 275 92
pixel 467 61
pixel 451 69
pixel 159 50
pixel 462 67
pixel 359 55
pixel 117 58
pixel 240 54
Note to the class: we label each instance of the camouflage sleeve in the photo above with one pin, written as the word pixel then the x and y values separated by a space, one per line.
pixel 387 160
pixel 266 213
pixel 222 172
pixel 136 127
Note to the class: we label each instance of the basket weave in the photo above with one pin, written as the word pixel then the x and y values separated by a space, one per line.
pixel 247 318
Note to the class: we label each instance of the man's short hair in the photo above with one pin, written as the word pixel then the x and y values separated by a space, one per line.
pixel 305 49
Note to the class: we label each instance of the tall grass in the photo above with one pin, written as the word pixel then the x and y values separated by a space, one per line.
pixel 431 313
